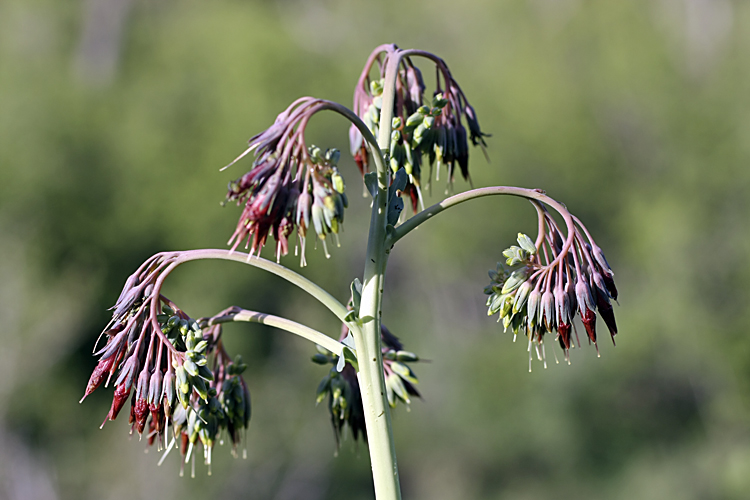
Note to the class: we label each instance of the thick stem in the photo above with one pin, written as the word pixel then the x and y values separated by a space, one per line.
pixel 237 314
pixel 367 338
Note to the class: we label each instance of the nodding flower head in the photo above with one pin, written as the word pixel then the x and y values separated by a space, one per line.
pixel 173 368
pixel 543 284
pixel 432 128
pixel 342 388
pixel 290 185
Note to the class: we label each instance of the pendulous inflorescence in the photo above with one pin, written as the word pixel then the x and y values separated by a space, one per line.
pixel 342 387
pixel 289 186
pixel 428 130
pixel 174 369
pixel 544 283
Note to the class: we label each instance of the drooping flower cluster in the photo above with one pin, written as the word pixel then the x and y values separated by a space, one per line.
pixel 421 128
pixel 544 283
pixel 175 368
pixel 342 388
pixel 290 185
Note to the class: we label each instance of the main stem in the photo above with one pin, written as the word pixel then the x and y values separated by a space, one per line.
pixel 367 338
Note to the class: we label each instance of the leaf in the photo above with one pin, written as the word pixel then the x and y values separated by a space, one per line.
pixel 356 288
pixel 395 206
pixel 399 182
pixel 371 183
pixel 351 358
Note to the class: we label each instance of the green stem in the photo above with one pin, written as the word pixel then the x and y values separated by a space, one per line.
pixel 305 284
pixel 367 338
pixel 531 194
pixel 238 314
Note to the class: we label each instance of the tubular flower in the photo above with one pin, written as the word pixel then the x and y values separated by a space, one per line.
pixel 290 185
pixel 430 128
pixel 175 368
pixel 342 388
pixel 543 284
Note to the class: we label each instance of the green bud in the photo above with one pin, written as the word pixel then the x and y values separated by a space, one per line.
pixel 396 122
pixel 201 346
pixel 205 373
pixel 404 372
pixel 526 243
pixel 514 281
pixel 521 296
pixel 322 390
pixel 190 367
pixel 414 120
pixel 439 101
pixel 320 359
pixel 406 356
pixel 393 382
pixel 338 182
pixel 333 156
pixel 200 387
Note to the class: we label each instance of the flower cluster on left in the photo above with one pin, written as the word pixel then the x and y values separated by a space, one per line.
pixel 173 368
pixel 290 185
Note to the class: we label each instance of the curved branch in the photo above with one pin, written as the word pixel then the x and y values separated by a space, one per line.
pixel 375 148
pixel 530 194
pixel 237 314
pixel 305 284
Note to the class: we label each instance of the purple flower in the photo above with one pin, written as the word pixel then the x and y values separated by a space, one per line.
pixel 549 283
pixel 286 183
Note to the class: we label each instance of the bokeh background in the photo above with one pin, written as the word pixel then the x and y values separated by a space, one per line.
pixel 115 116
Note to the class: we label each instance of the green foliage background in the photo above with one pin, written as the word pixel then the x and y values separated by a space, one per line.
pixel 115 116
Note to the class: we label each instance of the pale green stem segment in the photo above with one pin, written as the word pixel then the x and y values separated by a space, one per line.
pixel 367 339
pixel 531 194
pixel 305 284
pixel 237 314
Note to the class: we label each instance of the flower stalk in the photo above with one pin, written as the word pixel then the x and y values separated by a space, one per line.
pixel 177 368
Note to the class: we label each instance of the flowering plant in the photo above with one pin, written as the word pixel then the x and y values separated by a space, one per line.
pixel 175 369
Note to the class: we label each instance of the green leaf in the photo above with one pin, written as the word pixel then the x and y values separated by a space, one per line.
pixel 371 183
pixel 356 288
pixel 395 206
pixel 399 183
pixel 351 358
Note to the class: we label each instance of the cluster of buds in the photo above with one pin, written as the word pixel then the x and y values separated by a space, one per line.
pixel 175 368
pixel 342 387
pixel 420 128
pixel 290 185
pixel 543 284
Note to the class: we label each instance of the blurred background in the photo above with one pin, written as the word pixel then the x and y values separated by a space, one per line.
pixel 115 116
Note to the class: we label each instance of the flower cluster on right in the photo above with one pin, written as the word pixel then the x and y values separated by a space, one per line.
pixel 543 283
